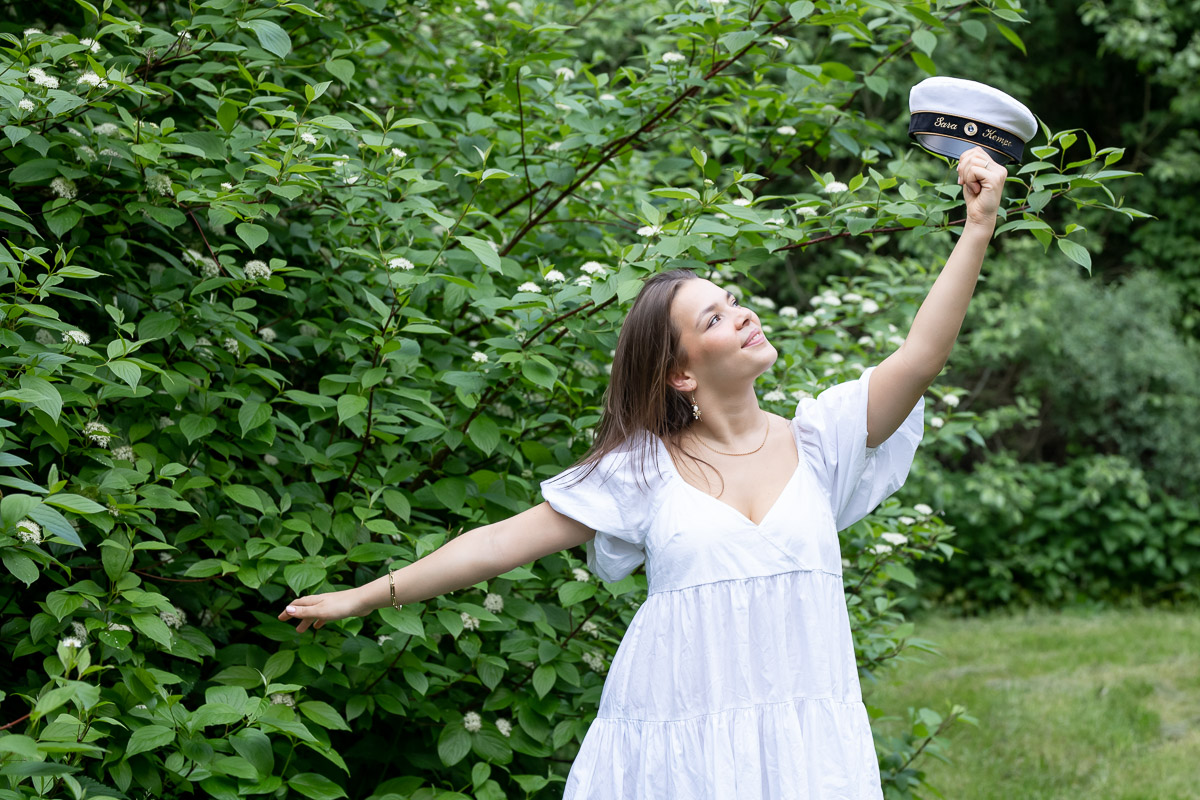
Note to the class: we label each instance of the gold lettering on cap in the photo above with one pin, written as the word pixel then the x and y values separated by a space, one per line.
pixel 989 133
pixel 940 122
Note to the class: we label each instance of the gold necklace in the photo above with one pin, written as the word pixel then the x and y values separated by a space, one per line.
pixel 752 452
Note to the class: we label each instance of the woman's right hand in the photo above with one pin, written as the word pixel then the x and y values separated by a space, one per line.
pixel 317 609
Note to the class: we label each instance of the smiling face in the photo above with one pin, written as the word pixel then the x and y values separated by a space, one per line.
pixel 724 341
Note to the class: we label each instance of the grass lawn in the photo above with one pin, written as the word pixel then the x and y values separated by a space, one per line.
pixel 1103 706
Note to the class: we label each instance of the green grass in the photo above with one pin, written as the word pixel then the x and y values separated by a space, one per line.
pixel 1103 706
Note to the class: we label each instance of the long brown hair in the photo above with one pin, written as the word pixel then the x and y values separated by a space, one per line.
pixel 638 400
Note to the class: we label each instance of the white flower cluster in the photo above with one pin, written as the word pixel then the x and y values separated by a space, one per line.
pixel 257 270
pixel 936 422
pixel 98 433
pixel 472 721
pixel 208 267
pixel 504 726
pixel 91 44
pixel 775 396
pixel 267 334
pixel 40 78
pixel 479 358
pixel 673 58
pixel 493 603
pixel 590 628
pixel 554 276
pixel 281 699
pixel 76 337
pixel 32 32
pixel 833 187
pixel 308 330
pixel 71 642
pixel 951 400
pixel 786 130
pixel 230 344
pixel 173 619
pixel 160 184
pixel 906 520
pixel 788 311
pixel 113 510
pixel 117 626
pixel 400 263
pixel 64 188
pixel 91 79
pixel 880 549
pixel 649 230
pixel 894 538
pixel 596 662
pixel 529 286
pixel 565 73
pixel 806 211
pixel 779 41
pixel 270 460
pixel 765 302
pixel 123 452
pixel 594 268
pixel 741 201
pixel 26 104
pixel 398 153
pixel 106 129
pixel 469 623
pixel 29 531
pixel 581 574
pixel 308 138
pixel 923 509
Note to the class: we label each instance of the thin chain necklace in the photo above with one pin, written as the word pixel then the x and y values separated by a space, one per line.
pixel 766 430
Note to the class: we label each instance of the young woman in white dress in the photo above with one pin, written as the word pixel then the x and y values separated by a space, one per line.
pixel 736 678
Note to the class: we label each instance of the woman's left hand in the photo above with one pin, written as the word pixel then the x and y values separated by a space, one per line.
pixel 982 180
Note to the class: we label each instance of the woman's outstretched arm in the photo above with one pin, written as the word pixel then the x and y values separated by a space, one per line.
pixel 901 378
pixel 465 560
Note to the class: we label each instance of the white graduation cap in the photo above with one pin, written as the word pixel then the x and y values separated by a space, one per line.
pixel 952 115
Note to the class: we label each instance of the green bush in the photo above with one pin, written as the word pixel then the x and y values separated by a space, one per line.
pixel 294 291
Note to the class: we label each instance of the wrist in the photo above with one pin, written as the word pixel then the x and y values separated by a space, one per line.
pixel 984 227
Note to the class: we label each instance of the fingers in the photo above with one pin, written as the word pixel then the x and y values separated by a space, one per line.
pixel 305 609
pixel 974 168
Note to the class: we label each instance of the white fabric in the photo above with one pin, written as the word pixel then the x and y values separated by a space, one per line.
pixel 970 99
pixel 736 679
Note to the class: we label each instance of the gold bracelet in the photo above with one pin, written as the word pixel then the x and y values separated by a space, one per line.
pixel 392 583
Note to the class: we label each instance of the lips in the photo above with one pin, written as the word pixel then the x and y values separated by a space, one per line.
pixel 755 338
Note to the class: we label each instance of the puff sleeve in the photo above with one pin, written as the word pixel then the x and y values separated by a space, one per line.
pixel 833 430
pixel 610 501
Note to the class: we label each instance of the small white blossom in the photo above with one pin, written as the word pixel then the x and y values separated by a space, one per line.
pixel 775 221
pixel 108 152
pixel 765 302
pixel 566 73
pixel 951 400
pixel 71 641
pixel 122 452
pixel 923 509
pixel 472 722
pixel 788 311
pixel 352 179
pixel 185 35
pixel 383 638
pixel 866 341
pixel 63 188
pixel 786 130
pixel 869 306
pixel 905 520
pixel 469 623
pixel 160 184
pixel 741 201
pixel 831 300
pixel 209 268
pixel 400 263
pixel 29 531
pixel 43 336
pixel 91 44
pixel 106 129
pixel 173 619
pixel 836 358
pixel 504 726
pixel 580 574
pixel 40 78
pixel 673 58
pixel 267 334
pixel 806 211
pixel 493 603
pixel 227 187
pixel 649 230
pixel 270 460
pixel 91 79
pixel 479 358
pixel 281 699
pixel 230 344
pixel 594 661
pixel 165 422
pixel 809 321
pixel 833 187
pixel 583 280
pixel 896 340
pixel 165 557
pixel 98 433
pixel 591 628
pixel 26 104
pixel 529 286
pixel 896 539
pixel 32 32
pixel 800 394
pixel 553 146
pixel 117 626
pixel 78 337
pixel 851 297
pixel 779 41
pixel 880 549
pixel 308 138
pixel 775 396
pixel 309 330
pixel 718 3
pixel 594 268
pixel 554 276
pixel 398 153
pixel 607 96
pixel 257 270
pixel 937 422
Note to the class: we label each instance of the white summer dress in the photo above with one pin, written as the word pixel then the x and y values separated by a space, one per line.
pixel 736 679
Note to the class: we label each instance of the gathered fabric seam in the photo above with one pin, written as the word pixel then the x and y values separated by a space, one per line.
pixel 745 578
pixel 791 701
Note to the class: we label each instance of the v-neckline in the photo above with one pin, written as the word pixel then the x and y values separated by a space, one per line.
pixel 778 499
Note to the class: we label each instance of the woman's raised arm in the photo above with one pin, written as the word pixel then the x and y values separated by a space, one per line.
pixel 465 560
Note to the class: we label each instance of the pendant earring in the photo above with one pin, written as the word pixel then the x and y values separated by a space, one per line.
pixel 695 408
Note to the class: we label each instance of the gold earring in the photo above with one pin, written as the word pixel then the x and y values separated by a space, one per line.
pixel 695 408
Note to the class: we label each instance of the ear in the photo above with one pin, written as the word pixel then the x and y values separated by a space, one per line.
pixel 682 381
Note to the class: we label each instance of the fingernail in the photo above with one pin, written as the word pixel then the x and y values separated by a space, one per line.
pixel 291 609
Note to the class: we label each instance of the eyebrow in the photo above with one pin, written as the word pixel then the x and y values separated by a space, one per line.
pixel 711 307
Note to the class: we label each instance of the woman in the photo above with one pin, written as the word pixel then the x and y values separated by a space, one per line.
pixel 736 678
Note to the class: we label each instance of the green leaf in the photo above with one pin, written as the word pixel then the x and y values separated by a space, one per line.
pixel 196 427
pixel 451 492
pixel 253 235
pixel 244 495
pixel 316 786
pixel 157 325
pixel 925 40
pixel 350 405
pixel 801 9
pixel 341 69
pixel 62 220
pixel 42 394
pixel 538 370
pixel 453 744
pixel 273 38
pixel 148 738
pixel 127 371
pixel 1008 33
pixel 482 250
pixel 574 592
pixel 484 433
pixel 544 678
pixel 323 714
pixel 252 414
pixel 1076 252
pixel 303 575
pixel 74 502
pixel 901 573
pixel 154 627
pixel 22 568
pixel 227 116
pixel 39 169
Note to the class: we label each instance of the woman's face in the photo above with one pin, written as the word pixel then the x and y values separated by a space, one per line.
pixel 725 345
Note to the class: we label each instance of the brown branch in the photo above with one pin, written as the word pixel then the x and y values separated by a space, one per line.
pixel 15 721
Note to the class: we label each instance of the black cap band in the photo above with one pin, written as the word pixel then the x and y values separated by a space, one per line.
pixel 929 123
